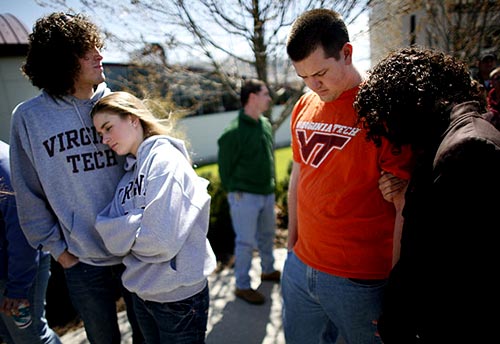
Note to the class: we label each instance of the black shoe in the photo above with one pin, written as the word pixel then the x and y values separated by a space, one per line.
pixel 250 296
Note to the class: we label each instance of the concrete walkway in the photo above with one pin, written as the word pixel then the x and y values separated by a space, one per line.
pixel 231 320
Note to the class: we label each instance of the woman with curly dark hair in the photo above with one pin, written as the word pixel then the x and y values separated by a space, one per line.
pixel 439 291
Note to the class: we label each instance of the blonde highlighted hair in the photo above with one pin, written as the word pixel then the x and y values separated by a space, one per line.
pixel 124 104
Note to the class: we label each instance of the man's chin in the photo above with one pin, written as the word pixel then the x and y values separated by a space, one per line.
pixel 327 98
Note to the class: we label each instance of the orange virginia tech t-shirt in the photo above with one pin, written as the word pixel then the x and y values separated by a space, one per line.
pixel 345 227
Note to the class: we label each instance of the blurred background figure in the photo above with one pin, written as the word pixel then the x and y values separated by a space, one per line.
pixel 494 99
pixel 487 62
pixel 246 169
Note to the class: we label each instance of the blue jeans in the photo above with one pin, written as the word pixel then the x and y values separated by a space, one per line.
pixel 180 322
pixel 93 291
pixel 38 332
pixel 254 223
pixel 321 308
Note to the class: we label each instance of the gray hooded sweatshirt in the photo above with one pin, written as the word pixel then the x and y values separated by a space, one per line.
pixel 62 175
pixel 158 222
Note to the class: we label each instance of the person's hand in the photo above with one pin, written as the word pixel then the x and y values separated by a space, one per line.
pixel 67 260
pixel 391 186
pixel 9 306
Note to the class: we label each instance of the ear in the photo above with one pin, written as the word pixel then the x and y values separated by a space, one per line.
pixel 346 53
pixel 252 96
pixel 134 120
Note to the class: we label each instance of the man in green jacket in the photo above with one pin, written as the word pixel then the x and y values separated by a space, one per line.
pixel 246 169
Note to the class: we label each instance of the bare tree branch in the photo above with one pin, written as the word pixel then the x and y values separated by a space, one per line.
pixel 237 38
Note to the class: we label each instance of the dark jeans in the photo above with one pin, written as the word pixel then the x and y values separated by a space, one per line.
pixel 181 322
pixel 94 291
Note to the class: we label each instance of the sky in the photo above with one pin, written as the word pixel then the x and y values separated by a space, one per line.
pixel 28 11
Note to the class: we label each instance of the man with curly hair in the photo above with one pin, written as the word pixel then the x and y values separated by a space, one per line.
pixel 62 173
pixel 340 231
pixel 440 289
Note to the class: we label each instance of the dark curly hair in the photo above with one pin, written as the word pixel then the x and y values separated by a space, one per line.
pixel 57 42
pixel 409 94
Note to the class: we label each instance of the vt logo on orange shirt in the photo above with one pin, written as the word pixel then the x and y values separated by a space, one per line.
pixel 315 148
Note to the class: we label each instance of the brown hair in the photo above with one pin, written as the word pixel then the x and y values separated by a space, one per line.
pixel 250 86
pixel 314 28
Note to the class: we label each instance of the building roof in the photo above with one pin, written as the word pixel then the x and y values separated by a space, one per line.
pixel 13 36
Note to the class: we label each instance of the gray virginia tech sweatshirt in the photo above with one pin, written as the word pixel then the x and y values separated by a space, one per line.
pixel 62 175
pixel 158 221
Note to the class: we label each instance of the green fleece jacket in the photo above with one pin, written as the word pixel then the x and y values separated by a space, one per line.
pixel 246 155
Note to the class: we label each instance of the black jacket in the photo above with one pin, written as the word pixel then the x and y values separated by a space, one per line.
pixel 442 290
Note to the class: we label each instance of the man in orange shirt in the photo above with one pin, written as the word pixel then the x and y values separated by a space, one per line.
pixel 340 228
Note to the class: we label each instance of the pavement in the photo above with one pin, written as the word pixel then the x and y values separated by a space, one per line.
pixel 230 319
